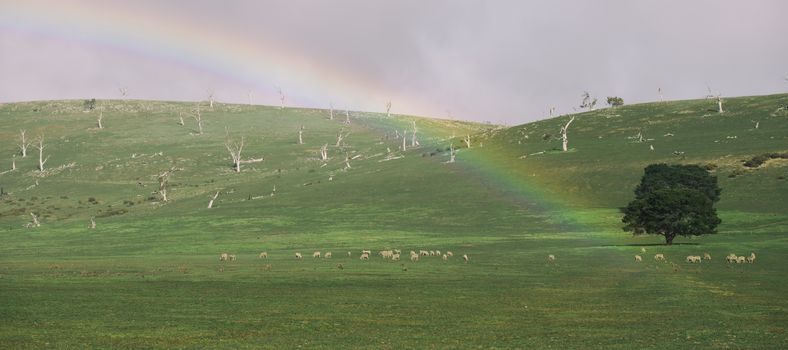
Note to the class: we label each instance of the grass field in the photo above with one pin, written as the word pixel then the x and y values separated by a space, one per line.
pixel 149 276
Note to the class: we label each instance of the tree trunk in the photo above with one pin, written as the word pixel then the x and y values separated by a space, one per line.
pixel 210 204
pixel 23 143
pixel 404 140
pixel 719 103
pixel 669 238
pixel 564 137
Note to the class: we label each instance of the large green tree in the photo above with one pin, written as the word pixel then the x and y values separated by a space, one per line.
pixel 673 200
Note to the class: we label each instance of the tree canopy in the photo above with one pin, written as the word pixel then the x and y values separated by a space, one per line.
pixel 673 200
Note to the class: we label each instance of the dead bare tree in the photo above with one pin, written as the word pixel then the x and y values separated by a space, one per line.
pixel 467 140
pixel 388 109
pixel 347 161
pixel 330 111
pixel 757 123
pixel 210 97
pixel 564 137
pixel 235 149
pixel 404 140
pixel 210 204
pixel 92 224
pixel 324 152
pixel 99 118
pixel 659 91
pixel 452 153
pixel 347 116
pixel 40 146
pixel 198 117
pixel 588 101
pixel 281 99
pixel 552 110
pixel 123 92
pixel 340 137
pixel 301 135
pixel 164 179
pixel 13 162
pixel 413 141
pixel 23 143
pixel 34 222
pixel 718 97
pixel 180 119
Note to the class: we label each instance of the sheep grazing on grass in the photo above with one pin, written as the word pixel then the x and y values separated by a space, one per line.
pixel 693 259
pixel 638 258
pixel 414 258
pixel 741 259
pixel 706 256
pixel 327 255
pixel 232 257
pixel 263 255
pixel 395 257
pixel 444 257
pixel 316 254
pixel 368 252
pixel 432 253
pixel 349 254
pixel 364 256
pixel 424 253
pixel 642 250
pixel 298 256
pixel 551 258
pixel 223 257
pixel 731 258
pixel 465 257
pixel 397 251
pixel 751 258
pixel 659 257
pixel 437 253
pixel 449 253
pixel 412 253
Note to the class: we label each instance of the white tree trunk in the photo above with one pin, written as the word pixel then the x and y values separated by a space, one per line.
pixel 347 161
pixel 23 143
pixel 467 140
pixel 164 179
pixel 13 162
pixel 324 152
pixel 388 109
pixel 41 159
pixel 210 98
pixel 659 90
pixel 100 117
pixel 452 153
pixel 198 118
pixel 404 140
pixel 235 149
pixel 347 117
pixel 92 224
pixel 719 103
pixel 340 137
pixel 210 204
pixel 180 118
pixel 35 222
pixel 281 99
pixel 123 92
pixel 564 137
pixel 330 111
pixel 413 142
pixel 301 135
pixel 757 124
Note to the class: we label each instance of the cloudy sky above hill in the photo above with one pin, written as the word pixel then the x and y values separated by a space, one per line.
pixel 500 61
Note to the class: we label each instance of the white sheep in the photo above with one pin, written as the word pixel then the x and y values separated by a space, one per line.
pixel 638 258
pixel 424 253
pixel 432 253
pixel 693 259
pixel 731 258
pixel 741 259
pixel 223 257
pixel 395 257
pixel 438 253
pixel 263 255
pixel 232 257
pixel 414 258
pixel 751 258
pixel 642 249
pixel 551 258
pixel 444 257
pixel 364 256
pixel 706 256
pixel 298 256
pixel 449 253
pixel 465 257
pixel 659 257
pixel 349 254
pixel 368 252
pixel 327 255
pixel 316 254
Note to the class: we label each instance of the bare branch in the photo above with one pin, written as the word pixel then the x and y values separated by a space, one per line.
pixel 40 146
pixel 388 109
pixel 235 149
pixel 23 143
pixel 198 117
pixel 564 137
pixel 210 204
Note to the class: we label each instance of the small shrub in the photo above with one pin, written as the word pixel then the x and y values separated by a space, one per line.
pixel 737 172
pixel 710 166
pixel 758 160
pixel 92 200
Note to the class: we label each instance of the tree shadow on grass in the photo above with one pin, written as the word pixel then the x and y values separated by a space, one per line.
pixel 646 245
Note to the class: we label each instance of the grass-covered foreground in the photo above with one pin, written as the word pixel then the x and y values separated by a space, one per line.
pixel 149 274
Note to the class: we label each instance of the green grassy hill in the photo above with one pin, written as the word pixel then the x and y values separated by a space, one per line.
pixel 149 275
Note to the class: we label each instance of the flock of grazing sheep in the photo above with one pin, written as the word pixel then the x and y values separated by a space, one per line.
pixel 391 254
pixel 693 259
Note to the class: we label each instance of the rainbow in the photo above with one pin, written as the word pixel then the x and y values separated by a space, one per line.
pixel 261 63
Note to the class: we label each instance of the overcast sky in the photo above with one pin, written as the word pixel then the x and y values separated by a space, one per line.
pixel 500 61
